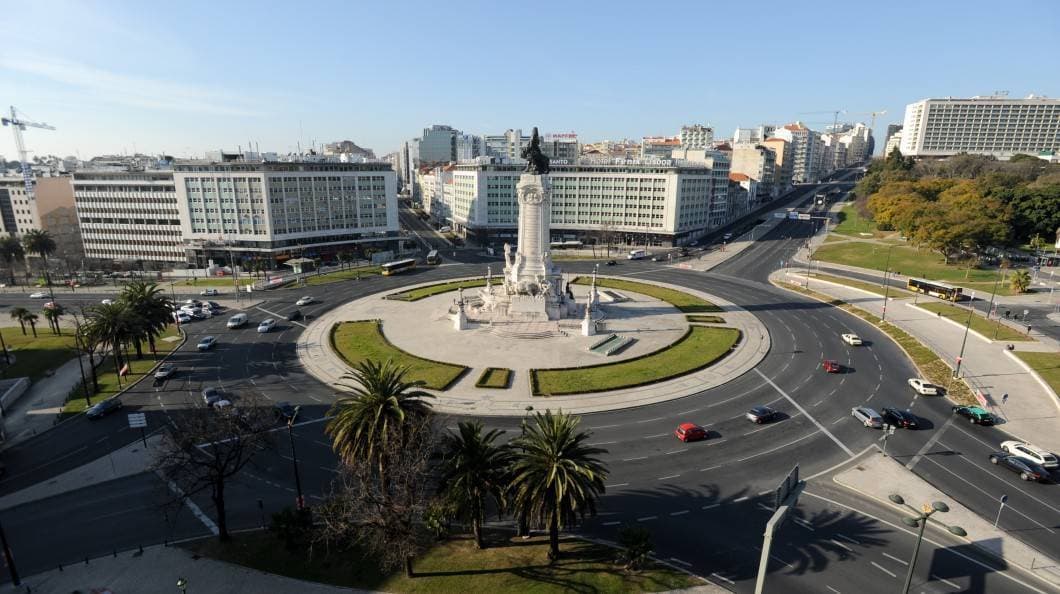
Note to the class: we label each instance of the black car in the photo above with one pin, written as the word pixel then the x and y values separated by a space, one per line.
pixel 611 262
pixel 294 315
pixel 103 408
pixel 284 411
pixel 212 395
pixel 974 414
pixel 898 418
pixel 761 414
pixel 1028 471
pixel 215 306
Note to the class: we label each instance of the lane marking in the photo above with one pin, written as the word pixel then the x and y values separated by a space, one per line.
pixel 779 560
pixel 711 506
pixel 280 316
pixel 611 523
pixel 709 468
pixel 945 581
pixel 724 579
pixel 803 523
pixel 194 507
pixel 847 538
pixel 841 545
pixel 739 499
pixel 780 447
pixel 930 443
pixel 634 459
pixel 675 451
pixel 895 559
pixel 805 412
pixel 664 478
pixel 883 569
pixel 616 485
pixel 651 420
pixel 1023 492
pixel 832 589
pixel 676 560
pixel 679 513
pixel 647 518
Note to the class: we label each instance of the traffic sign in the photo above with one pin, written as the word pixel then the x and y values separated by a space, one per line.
pixel 804 216
pixel 780 215
pixel 786 486
pixel 137 420
pixel 793 215
pixel 1004 499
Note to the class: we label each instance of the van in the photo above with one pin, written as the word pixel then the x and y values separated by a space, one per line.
pixel 637 254
pixel 237 320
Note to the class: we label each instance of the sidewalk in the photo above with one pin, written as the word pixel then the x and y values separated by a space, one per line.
pixel 875 476
pixel 36 410
pixel 1031 413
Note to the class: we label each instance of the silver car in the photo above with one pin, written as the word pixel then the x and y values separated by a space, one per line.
pixel 867 416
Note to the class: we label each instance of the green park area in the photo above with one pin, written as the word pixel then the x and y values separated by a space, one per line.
pixel 424 292
pixel 35 357
pixel 850 222
pixel 494 377
pixel 897 288
pixel 364 340
pixel 454 566
pixel 1047 365
pixel 988 328
pixel 689 304
pixel 705 319
pixel 340 275
pixel 698 348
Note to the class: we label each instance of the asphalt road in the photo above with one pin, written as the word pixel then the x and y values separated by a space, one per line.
pixel 700 500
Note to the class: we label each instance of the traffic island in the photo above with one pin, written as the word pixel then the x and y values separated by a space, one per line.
pixel 364 341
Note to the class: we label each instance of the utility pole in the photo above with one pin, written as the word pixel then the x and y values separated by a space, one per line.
pixel 886 284
pixel 964 341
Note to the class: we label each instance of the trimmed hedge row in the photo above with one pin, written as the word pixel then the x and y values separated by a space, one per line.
pixel 436 289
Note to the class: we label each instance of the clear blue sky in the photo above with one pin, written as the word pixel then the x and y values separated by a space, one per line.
pixel 185 77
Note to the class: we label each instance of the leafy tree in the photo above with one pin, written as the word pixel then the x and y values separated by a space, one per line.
pixel 474 472
pixel 112 326
pixel 40 242
pixel 636 546
pixel 556 476
pixel 11 251
pixel 154 312
pixel 20 313
pixel 53 314
pixel 1020 281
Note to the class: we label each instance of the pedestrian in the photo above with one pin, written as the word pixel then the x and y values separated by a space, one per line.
pixel 1004 398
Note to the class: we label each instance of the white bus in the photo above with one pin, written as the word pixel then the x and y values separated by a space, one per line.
pixel 637 254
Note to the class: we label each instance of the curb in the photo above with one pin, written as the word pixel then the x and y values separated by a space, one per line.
pixel 978 334
pixel 1045 386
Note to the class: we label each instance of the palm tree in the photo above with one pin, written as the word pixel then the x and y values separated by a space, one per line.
pixel 32 319
pixel 20 313
pixel 1020 281
pixel 381 402
pixel 556 477
pixel 53 314
pixel 11 251
pixel 112 325
pixel 474 471
pixel 40 242
pixel 154 310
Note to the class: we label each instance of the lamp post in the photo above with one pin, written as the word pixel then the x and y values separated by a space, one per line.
pixel 886 284
pixel 183 585
pixel 294 457
pixel 920 521
pixel 964 341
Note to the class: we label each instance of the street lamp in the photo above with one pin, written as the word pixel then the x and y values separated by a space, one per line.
pixel 886 284
pixel 964 341
pixel 294 457
pixel 183 585
pixel 920 521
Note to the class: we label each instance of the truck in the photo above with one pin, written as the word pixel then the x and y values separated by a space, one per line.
pixel 637 254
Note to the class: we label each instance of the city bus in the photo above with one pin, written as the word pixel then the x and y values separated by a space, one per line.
pixel 398 266
pixel 937 289
pixel 433 257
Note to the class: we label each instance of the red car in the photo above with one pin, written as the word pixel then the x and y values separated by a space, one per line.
pixel 690 432
pixel 831 366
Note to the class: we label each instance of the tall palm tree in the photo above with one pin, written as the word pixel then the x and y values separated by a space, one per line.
pixel 474 471
pixel 32 318
pixel 40 242
pixel 154 309
pixel 11 251
pixel 53 314
pixel 1020 281
pixel 20 313
pixel 556 476
pixel 381 401
pixel 111 326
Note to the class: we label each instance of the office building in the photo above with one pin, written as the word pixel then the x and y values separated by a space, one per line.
pixel 892 129
pixel 696 136
pixel 350 148
pixel 508 145
pixel 995 126
pixel 806 149
pixel 561 147
pixel 894 142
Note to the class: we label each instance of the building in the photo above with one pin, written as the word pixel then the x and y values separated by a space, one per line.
pixel 995 126
pixel 469 146
pixel 348 147
pixel 659 147
pixel 655 202
pixel 806 149
pixel 561 147
pixel 759 164
pixel 609 149
pixel 696 136
pixel 741 197
pixel 508 145
pixel 129 215
pixel 894 142
pixel 438 144
pixel 263 210
pixel 892 129
pixel 784 157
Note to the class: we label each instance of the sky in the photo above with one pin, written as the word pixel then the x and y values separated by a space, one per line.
pixel 186 77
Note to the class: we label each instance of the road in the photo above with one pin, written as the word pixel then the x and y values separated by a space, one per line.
pixel 700 500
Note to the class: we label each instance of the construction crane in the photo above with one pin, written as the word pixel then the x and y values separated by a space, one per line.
pixel 835 116
pixel 872 125
pixel 18 125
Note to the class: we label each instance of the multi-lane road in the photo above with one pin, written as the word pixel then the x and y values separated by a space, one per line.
pixel 705 502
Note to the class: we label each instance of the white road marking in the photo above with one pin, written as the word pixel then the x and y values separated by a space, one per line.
pixel 724 579
pixel 678 561
pixel 616 485
pixel 946 581
pixel 651 420
pixel 634 459
pixel 780 447
pixel 711 506
pixel 665 478
pixel 1025 493
pixel 675 451
pixel 601 443
pixel 781 561
pixel 709 468
pixel 895 559
pixel 839 420
pixel 883 569
pixel 654 436
pixel 611 523
pixel 714 443
pixel 194 507
pixel 835 439
pixel 931 443
pixel 739 499
pixel 840 545
pixel 847 538
pixel 832 589
pixel 803 523
pixel 679 513
pixel 647 518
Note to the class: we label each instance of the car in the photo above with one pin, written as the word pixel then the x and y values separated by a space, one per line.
pixel 190 309
pixel 107 302
pixel 304 301
pixel 266 325
pixel 690 432
pixel 38 295
pixel 194 302
pixel 215 306
pixel 657 258
pixel 974 414
pixel 211 395
pixel 923 387
pixel 237 321
pixel 867 416
pixel 831 366
pixel 1030 453
pixel 294 315
pixel 103 408
pixel 206 343
pixel 1028 471
pixel 209 292
pixel 181 317
pixel 165 371
pixel 284 411
pixel 761 414
pixel 201 314
pixel 611 263
pixel 852 339
pixel 221 404
pixel 445 229
pixel 898 418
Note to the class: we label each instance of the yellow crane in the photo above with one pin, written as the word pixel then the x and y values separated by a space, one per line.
pixel 18 125
pixel 872 125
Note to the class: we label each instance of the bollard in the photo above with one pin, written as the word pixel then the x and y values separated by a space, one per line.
pixel 141 549
pixel 86 560
pixel 60 568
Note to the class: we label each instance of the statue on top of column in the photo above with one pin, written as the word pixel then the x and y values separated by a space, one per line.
pixel 536 161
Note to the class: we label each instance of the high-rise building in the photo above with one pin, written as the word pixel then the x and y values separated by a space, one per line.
pixel 51 208
pixel 757 163
pixel 469 146
pixel 696 136
pixel 561 147
pixel 784 156
pixel 348 147
pixel 807 149
pixel 892 129
pixel 996 126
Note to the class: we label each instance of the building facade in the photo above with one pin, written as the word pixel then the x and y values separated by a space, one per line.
pixel 994 126
pixel 696 136
pixel 759 164
pixel 806 150
pixel 658 147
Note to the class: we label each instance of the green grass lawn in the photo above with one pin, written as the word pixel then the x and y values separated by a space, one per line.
pixel 108 379
pixel 455 566
pixel 364 340
pixel 213 282
pixel 341 275
pixel 1046 364
pixel 895 291
pixel 494 377
pixel 679 299
pixel 834 238
pixel 429 290
pixel 700 347
pixel 909 261
pixel 979 323
pixel 35 357
pixel 704 319
pixel 853 224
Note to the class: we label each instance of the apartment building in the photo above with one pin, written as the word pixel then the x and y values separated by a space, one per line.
pixel 996 126
pixel 696 136
pixel 659 147
pixel 784 158
pixel 806 149
pixel 759 164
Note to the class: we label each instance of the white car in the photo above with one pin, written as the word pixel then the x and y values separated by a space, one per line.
pixel 922 387
pixel 107 302
pixel 852 339
pixel 304 301
pixel 181 317
pixel 1031 453
pixel 165 372
pixel 38 295
pixel 266 325
pixel 209 292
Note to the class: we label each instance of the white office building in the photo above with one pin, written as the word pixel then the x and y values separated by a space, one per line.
pixel 696 136
pixel 996 126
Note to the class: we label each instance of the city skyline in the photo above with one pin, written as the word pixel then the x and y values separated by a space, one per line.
pixel 182 80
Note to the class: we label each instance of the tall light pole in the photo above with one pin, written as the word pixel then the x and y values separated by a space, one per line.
pixel 964 341
pixel 294 457
pixel 886 284
pixel 920 521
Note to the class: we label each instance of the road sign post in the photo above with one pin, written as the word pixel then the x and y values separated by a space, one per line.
pixel 888 430
pixel 139 421
pixel 1004 500
pixel 787 495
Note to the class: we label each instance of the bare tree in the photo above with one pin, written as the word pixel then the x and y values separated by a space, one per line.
pixel 385 517
pixel 208 446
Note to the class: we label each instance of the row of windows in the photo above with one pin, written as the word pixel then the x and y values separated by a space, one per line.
pixel 129 221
